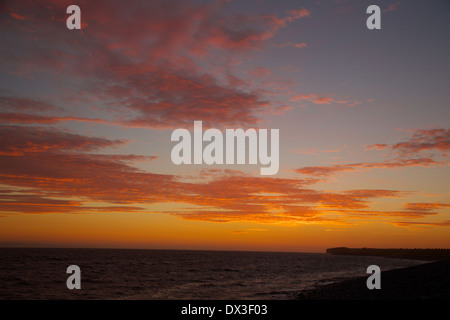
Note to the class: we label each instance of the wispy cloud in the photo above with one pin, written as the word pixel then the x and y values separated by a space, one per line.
pixel 321 171
pixel 323 99
pixel 392 7
pixel 425 140
pixel 377 146
pixel 422 224
pixel 422 140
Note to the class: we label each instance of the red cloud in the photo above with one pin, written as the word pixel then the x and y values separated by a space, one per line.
pixel 12 118
pixel 24 110
pixel 259 72
pixel 396 163
pixel 34 139
pixel 16 104
pixel 179 100
pixel 392 7
pixel 292 15
pixel 422 140
pixel 298 45
pixel 297 14
pixel 426 140
pixel 143 59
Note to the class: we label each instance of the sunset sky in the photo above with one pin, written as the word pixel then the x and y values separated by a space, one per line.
pixel 86 118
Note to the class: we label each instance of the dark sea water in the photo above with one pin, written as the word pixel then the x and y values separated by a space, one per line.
pixel 173 274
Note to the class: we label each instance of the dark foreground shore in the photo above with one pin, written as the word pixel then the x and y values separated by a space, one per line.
pixel 429 281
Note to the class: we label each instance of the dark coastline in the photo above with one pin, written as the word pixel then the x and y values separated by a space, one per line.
pixel 414 254
pixel 429 281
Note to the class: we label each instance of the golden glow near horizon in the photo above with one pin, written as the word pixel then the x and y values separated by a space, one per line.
pixel 86 118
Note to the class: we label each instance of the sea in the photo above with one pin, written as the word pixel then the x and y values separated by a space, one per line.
pixel 129 274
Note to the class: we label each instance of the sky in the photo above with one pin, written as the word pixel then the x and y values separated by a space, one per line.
pixel 86 118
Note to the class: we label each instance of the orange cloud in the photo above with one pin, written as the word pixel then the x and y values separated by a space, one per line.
pixel 317 99
pixel 377 146
pixel 377 214
pixel 36 204
pixel 17 16
pixel 313 97
pixel 426 207
pixel 57 171
pixel 422 224
pixel 298 45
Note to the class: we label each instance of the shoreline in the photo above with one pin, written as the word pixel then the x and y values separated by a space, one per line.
pixel 428 281
pixel 398 253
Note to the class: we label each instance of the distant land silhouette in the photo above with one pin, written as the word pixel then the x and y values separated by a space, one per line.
pixel 416 254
